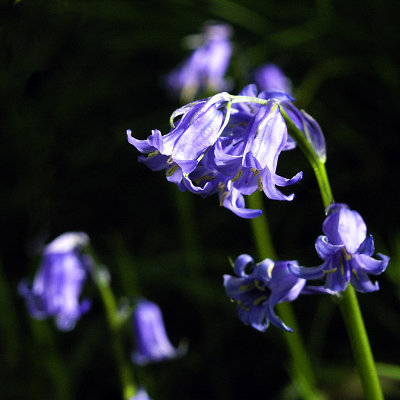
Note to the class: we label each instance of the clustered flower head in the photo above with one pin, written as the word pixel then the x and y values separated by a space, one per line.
pixel 257 291
pixel 229 145
pixel 152 343
pixel 58 283
pixel 205 68
pixel 347 253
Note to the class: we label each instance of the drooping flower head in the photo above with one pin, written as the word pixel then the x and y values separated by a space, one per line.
pixel 58 283
pixel 152 343
pixel 205 68
pixel 141 394
pixel 257 291
pixel 270 78
pixel 347 253
pixel 224 144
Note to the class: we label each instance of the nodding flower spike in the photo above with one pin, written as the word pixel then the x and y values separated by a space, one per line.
pixel 225 141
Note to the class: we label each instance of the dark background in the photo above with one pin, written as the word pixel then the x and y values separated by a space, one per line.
pixel 74 75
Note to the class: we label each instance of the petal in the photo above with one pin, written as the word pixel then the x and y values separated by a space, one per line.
pixel 325 249
pixel 241 263
pixel 275 320
pixel 314 134
pixel 317 290
pixel 352 229
pixel 367 247
pixel 267 137
pixel 152 143
pixel 368 264
pixel 269 188
pixel 362 283
pixel 307 273
pixel 155 162
pixel 336 281
pixel 234 201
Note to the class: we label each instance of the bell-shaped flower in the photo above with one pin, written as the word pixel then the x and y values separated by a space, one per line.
pixel 257 291
pixel 224 145
pixel 141 394
pixel 347 253
pixel 270 78
pixel 152 343
pixel 206 66
pixel 58 283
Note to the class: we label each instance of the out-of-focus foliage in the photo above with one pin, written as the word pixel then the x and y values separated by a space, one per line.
pixel 74 75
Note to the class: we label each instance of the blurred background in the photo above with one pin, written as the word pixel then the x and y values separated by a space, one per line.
pixel 74 76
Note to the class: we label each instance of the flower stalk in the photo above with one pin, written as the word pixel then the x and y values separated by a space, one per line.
pixel 349 305
pixel 301 370
pixel 114 320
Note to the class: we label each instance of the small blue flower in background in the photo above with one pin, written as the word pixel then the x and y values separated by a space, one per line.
pixel 257 292
pixel 58 283
pixel 205 68
pixel 347 253
pixel 270 78
pixel 141 394
pixel 152 343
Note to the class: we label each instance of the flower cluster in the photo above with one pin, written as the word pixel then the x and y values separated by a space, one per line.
pixel 152 343
pixel 347 253
pixel 257 292
pixel 206 66
pixel 58 283
pixel 229 145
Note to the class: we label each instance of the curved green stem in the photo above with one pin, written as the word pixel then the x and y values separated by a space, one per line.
pixel 301 370
pixel 349 304
pixel 114 320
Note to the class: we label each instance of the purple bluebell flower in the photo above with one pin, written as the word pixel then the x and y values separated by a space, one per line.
pixel 58 283
pixel 347 253
pixel 206 66
pixel 225 147
pixel 152 343
pixel 270 78
pixel 141 394
pixel 257 291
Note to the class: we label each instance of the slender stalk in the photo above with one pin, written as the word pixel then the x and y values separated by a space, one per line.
pixel 349 304
pixel 301 369
pixel 101 279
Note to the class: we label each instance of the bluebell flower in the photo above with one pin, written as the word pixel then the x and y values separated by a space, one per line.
pixel 270 78
pixel 205 68
pixel 141 394
pixel 152 343
pixel 257 291
pixel 347 253
pixel 233 153
pixel 58 283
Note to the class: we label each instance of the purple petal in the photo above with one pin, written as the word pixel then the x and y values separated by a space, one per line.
pixel 241 263
pixel 368 264
pixel 325 249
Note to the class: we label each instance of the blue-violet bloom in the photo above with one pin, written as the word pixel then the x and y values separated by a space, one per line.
pixel 205 68
pixel 257 291
pixel 141 394
pixel 270 78
pixel 224 146
pixel 347 253
pixel 152 343
pixel 58 283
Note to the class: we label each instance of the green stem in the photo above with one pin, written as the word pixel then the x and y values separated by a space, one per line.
pixel 349 304
pixel 301 369
pixel 114 320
